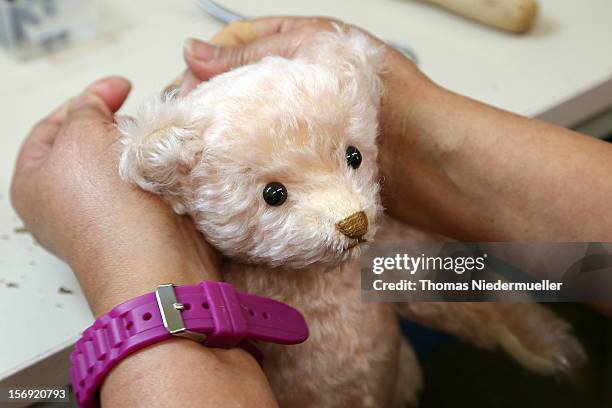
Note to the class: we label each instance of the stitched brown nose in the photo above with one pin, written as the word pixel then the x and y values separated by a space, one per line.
pixel 354 226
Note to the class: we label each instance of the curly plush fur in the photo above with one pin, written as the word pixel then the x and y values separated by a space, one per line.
pixel 212 152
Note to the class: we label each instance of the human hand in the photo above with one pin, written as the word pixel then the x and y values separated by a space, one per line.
pixel 120 241
pixel 282 36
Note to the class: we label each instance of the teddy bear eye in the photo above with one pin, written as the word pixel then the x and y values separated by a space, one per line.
pixel 275 193
pixel 353 157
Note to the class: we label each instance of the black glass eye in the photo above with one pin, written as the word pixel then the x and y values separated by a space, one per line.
pixel 275 193
pixel 353 157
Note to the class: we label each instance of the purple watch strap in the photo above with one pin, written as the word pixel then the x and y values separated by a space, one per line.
pixel 227 319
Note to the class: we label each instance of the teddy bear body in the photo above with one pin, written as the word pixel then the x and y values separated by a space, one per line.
pixel 276 163
pixel 355 355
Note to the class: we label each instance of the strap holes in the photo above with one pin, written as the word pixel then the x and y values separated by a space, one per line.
pixel 129 325
pixel 146 316
pixel 265 315
pixel 252 312
pixel 205 305
pixel 187 306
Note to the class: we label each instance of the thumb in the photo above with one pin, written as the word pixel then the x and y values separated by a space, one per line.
pixel 100 99
pixel 112 90
pixel 206 60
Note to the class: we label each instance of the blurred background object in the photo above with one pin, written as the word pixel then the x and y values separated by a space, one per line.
pixel 32 27
pixel 510 15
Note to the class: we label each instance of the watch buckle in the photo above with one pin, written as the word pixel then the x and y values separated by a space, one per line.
pixel 170 310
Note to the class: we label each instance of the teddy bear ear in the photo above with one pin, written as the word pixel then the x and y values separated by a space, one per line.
pixel 350 53
pixel 160 147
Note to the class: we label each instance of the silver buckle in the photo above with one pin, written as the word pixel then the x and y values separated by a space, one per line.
pixel 170 311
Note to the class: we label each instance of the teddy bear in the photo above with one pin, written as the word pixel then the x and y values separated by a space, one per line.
pixel 276 163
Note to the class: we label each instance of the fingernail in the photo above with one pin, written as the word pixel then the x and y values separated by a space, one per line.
pixel 200 50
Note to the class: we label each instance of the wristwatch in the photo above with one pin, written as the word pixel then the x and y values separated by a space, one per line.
pixel 211 313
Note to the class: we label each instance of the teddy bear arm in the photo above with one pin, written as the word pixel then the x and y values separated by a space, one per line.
pixel 533 335
pixel 529 332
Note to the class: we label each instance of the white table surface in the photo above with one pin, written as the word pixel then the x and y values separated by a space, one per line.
pixel 561 71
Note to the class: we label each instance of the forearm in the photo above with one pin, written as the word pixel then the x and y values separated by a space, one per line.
pixel 471 171
pixel 128 263
pixel 176 372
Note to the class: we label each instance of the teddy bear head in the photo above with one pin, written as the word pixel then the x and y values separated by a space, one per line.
pixel 274 161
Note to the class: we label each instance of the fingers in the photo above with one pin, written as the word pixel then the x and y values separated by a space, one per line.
pixel 275 25
pixel 46 130
pixel 35 150
pixel 280 36
pixel 205 60
pixel 190 81
pixel 97 102
pixel 90 114
pixel 199 56
pixel 112 92
pixel 39 142
pixel 272 25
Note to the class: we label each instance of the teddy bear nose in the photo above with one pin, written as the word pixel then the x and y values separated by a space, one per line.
pixel 354 226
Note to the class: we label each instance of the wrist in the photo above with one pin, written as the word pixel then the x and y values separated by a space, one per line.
pixel 109 281
pixel 211 314
pixel 120 265
pixel 401 130
pixel 224 371
pixel 409 152
pixel 404 87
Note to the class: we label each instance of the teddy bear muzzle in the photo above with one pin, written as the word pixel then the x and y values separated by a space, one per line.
pixel 354 226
